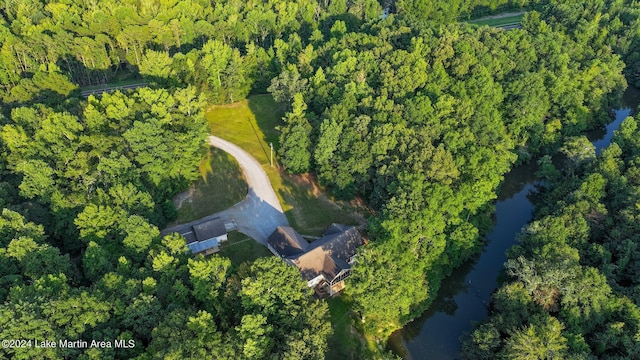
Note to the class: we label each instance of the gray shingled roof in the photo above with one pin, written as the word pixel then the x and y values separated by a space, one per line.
pixel 328 255
pixel 209 229
pixel 341 245
pixel 287 242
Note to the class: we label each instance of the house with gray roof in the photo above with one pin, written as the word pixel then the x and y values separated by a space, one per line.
pixel 205 237
pixel 324 263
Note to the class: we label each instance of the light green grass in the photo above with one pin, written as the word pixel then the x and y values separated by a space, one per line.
pixel 223 187
pixel 516 19
pixel 240 248
pixel 251 124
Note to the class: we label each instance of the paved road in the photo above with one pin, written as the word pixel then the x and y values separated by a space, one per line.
pixel 260 213
pixel 86 93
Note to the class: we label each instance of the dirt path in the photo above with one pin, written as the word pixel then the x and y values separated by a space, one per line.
pixel 179 199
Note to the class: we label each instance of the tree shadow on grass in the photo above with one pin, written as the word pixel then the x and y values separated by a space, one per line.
pixel 224 187
pixel 268 116
pixel 241 248
pixel 311 214
pixel 299 216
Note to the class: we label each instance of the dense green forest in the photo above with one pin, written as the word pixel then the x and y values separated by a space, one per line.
pixel 96 179
pixel 424 122
pixel 46 47
pixel 572 281
pixel 449 11
pixel 86 183
pixel 416 113
pixel 573 289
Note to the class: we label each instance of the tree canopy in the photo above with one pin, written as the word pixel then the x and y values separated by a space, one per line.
pixel 423 121
pixel 416 113
pixel 572 290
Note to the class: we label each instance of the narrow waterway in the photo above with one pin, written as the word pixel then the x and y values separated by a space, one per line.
pixel 464 296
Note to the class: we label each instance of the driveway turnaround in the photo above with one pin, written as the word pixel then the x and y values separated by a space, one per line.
pixel 260 213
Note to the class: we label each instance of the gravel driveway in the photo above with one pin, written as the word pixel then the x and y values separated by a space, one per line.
pixel 260 213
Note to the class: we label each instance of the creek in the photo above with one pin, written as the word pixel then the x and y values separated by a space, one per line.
pixel 464 296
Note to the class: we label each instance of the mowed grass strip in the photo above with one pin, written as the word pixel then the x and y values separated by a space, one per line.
pixel 222 186
pixel 112 84
pixel 251 124
pixel 240 248
pixel 508 20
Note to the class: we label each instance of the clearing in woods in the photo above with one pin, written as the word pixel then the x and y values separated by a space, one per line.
pixel 251 124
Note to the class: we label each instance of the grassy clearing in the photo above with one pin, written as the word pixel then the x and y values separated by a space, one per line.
pixel 222 186
pixel 498 21
pixel 251 124
pixel 309 209
pixel 112 84
pixel 240 248
pixel 345 343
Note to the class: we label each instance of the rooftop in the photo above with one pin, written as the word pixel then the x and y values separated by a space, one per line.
pixel 287 242
pixel 328 255
pixel 200 246
pixel 209 229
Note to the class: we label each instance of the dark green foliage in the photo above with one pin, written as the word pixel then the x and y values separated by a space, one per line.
pixel 576 266
pixel 224 49
pixel 450 11
pixel 274 303
pixel 419 116
pixel 121 155
pixel 170 299
pixel 105 172
pixel 424 122
pixel 273 315
pixel 295 141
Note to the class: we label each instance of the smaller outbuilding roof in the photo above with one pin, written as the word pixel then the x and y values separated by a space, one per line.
pixel 190 237
pixel 209 229
pixel 287 242
pixel 200 246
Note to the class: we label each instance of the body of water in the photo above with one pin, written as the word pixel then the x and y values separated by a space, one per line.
pixel 465 295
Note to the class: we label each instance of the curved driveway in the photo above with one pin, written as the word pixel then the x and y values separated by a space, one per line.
pixel 260 213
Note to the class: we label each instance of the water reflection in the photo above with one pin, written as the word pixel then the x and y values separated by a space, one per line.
pixel 602 137
pixel 464 296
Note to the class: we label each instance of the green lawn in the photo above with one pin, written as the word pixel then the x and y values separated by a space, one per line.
pixel 251 124
pixel 508 20
pixel 240 248
pixel 222 187
pixel 309 209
